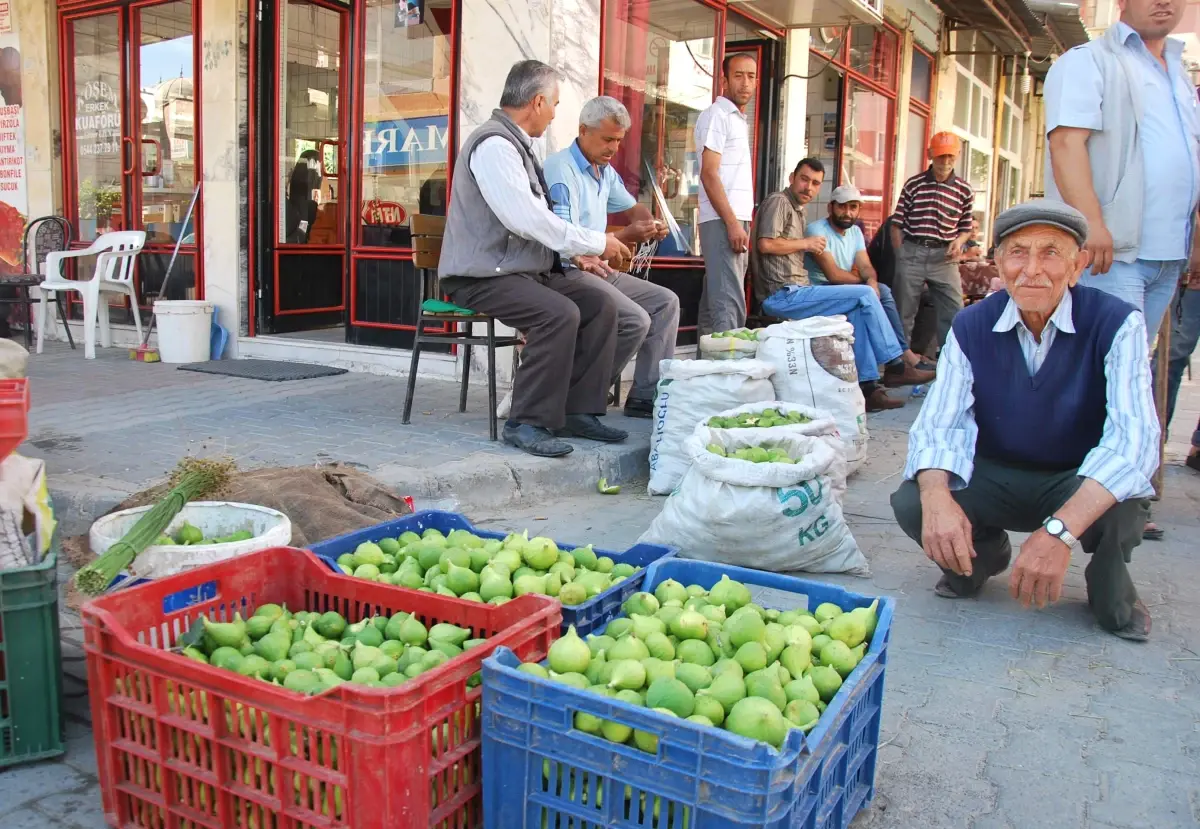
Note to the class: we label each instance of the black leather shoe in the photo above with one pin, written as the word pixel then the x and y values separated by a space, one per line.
pixel 639 408
pixel 589 427
pixel 535 440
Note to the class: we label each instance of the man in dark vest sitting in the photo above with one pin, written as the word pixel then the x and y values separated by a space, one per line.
pixel 1041 421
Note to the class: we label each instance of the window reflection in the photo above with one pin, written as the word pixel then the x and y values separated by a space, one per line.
pixel 659 62
pixel 406 123
pixel 865 150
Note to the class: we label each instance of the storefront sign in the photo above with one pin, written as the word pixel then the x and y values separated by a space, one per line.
pixel 5 17
pixel 14 197
pixel 376 212
pixel 97 119
pixel 405 143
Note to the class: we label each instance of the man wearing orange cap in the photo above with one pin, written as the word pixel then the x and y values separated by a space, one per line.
pixel 932 223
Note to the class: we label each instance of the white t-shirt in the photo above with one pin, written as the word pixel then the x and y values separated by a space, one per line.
pixel 722 128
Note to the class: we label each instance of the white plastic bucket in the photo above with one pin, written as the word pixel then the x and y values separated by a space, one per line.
pixel 184 330
pixel 271 528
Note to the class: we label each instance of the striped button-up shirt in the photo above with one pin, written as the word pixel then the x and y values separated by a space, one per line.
pixel 936 210
pixel 943 436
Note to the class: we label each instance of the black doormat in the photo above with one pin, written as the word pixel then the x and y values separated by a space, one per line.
pixel 272 370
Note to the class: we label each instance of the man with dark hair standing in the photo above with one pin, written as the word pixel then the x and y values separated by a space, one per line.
pixel 782 286
pixel 501 257
pixel 726 196
pixel 933 223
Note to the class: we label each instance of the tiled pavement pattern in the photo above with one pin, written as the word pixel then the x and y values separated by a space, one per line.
pixel 995 717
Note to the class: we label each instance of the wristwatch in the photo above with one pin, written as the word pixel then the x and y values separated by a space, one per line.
pixel 1056 528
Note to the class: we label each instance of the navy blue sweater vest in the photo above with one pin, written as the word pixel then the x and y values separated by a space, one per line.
pixel 1051 420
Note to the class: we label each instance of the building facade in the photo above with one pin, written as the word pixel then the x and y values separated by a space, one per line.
pixel 315 128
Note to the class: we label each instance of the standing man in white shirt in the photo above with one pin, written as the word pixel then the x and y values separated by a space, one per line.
pixel 500 256
pixel 1123 132
pixel 726 196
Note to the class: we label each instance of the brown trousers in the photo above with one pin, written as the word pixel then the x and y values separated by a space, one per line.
pixel 570 326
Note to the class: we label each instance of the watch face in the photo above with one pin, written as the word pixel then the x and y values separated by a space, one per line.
pixel 1054 526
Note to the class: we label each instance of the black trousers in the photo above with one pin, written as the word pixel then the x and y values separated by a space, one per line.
pixel 1002 498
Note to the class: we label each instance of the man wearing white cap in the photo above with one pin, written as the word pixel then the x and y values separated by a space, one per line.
pixel 782 286
pixel 845 262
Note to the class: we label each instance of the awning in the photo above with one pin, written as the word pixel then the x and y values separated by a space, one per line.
pixel 810 14
pixel 1009 25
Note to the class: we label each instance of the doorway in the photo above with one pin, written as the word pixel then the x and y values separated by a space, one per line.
pixel 130 148
pixel 302 121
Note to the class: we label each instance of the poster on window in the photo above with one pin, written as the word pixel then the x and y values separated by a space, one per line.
pixel 409 13
pixel 14 199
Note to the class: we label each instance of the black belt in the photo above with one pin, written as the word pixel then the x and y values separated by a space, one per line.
pixel 926 242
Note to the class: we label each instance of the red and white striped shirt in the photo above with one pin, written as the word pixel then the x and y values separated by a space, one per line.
pixel 935 210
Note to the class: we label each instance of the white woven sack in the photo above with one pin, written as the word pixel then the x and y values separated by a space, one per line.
pixel 769 516
pixel 691 391
pixel 814 366
pixel 821 424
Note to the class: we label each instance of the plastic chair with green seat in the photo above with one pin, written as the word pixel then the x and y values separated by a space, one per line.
pixel 427 232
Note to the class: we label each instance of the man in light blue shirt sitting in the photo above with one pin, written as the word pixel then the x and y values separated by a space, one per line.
pixel 1123 130
pixel 585 189
pixel 845 262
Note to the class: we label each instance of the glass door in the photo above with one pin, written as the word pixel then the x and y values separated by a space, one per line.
pixel 130 148
pixel 304 288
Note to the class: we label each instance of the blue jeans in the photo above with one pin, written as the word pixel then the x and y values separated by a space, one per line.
pixel 893 314
pixel 874 340
pixel 1146 285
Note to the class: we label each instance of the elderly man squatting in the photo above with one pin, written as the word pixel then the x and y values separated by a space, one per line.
pixel 1041 421
pixel 782 287
pixel 585 189
pixel 501 256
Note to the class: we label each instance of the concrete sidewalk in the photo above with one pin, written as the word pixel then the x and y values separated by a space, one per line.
pixel 110 427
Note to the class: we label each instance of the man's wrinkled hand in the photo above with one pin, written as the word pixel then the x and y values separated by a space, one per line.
pixel 1099 246
pixel 874 283
pixel 1037 577
pixel 954 250
pixel 614 248
pixel 594 265
pixel 640 231
pixel 946 534
pixel 814 244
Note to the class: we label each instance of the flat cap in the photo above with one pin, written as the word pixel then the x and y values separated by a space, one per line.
pixel 846 194
pixel 1042 212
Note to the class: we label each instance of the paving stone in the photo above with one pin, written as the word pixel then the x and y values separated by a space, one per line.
pixel 24 784
pixel 1047 801
pixel 76 810
pixel 1137 795
pixel 23 819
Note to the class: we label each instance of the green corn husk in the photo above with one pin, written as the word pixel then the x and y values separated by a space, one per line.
pixel 194 478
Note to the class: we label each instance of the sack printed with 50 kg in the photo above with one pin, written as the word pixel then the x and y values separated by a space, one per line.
pixel 776 516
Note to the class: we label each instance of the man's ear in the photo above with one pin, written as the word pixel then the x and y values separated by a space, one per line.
pixel 1082 260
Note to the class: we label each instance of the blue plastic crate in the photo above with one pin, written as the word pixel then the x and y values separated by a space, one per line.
pixel 585 617
pixel 538 771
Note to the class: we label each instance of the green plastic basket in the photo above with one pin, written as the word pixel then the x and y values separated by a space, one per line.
pixel 31 724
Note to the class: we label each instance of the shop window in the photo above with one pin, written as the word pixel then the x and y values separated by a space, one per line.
pixel 406 119
pixel 916 154
pixel 962 102
pixel 827 40
pixel 865 148
pixel 921 77
pixel 98 141
pixel 873 54
pixel 310 109
pixel 822 130
pixel 659 61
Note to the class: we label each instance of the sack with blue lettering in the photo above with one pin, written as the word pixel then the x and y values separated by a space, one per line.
pixel 690 392
pixel 779 517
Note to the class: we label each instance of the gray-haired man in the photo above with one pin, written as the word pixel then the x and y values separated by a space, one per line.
pixel 585 189
pixel 500 256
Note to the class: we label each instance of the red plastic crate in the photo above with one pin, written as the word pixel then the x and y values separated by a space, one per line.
pixel 14 414
pixel 183 744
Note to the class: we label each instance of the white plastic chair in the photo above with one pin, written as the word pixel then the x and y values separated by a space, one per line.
pixel 115 254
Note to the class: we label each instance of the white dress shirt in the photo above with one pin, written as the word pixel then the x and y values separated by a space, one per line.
pixel 504 185
pixel 943 436
pixel 723 129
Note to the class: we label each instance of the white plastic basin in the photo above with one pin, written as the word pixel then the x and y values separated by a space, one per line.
pixel 271 528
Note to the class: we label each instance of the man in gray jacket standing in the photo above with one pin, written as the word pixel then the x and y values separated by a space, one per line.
pixel 1123 130
pixel 500 257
